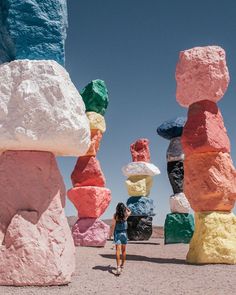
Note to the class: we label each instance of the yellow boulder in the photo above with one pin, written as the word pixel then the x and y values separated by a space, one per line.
pixel 96 121
pixel 139 185
pixel 214 239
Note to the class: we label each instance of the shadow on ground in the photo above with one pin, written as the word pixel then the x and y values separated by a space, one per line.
pixel 107 268
pixel 143 243
pixel 148 259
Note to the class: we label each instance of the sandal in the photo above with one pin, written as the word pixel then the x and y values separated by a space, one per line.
pixel 118 271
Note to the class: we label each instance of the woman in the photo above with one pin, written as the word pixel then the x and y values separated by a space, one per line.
pixel 119 228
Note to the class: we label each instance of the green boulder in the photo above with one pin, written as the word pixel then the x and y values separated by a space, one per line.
pixel 95 97
pixel 179 228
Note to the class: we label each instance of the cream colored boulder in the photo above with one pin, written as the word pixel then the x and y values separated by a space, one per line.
pixel 96 121
pixel 214 239
pixel 139 185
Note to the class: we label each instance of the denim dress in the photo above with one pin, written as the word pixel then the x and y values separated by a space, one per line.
pixel 120 233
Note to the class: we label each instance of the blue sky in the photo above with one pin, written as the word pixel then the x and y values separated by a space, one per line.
pixel 133 46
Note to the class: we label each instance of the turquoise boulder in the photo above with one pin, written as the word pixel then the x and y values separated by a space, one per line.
pixel 140 206
pixel 178 228
pixel 33 29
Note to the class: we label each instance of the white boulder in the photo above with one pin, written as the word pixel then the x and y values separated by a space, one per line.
pixel 140 168
pixel 179 203
pixel 41 109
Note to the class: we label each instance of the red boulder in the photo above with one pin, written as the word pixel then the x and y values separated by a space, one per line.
pixel 140 150
pixel 204 130
pixel 87 172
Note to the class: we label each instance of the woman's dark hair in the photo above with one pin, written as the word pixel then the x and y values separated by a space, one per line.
pixel 120 212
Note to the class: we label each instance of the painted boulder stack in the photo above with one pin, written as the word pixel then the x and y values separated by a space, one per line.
pixel 89 194
pixel 210 177
pixel 140 174
pixel 42 116
pixel 179 224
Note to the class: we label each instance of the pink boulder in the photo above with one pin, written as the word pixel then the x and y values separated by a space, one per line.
pixel 90 232
pixel 87 172
pixel 90 201
pixel 140 150
pixel 204 130
pixel 36 243
pixel 201 74
pixel 210 181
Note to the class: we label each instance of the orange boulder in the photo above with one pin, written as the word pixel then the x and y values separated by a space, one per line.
pixel 90 201
pixel 96 136
pixel 210 181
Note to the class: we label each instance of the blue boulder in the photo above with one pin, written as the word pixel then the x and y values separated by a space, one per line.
pixel 172 128
pixel 33 29
pixel 141 206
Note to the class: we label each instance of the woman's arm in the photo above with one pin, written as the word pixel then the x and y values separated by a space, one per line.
pixel 112 227
pixel 128 212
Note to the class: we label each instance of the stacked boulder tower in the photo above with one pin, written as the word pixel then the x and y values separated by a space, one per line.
pixel 210 178
pixel 179 224
pixel 140 174
pixel 42 116
pixel 89 194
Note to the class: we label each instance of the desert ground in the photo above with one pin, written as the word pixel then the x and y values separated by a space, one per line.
pixel 152 268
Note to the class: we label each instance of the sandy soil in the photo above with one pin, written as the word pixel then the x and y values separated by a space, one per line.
pixel 152 268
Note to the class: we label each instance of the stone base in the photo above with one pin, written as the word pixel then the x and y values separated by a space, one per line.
pixel 214 240
pixel 179 228
pixel 36 246
pixel 139 228
pixel 90 232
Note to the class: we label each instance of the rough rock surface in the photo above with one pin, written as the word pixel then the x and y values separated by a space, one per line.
pixel 175 171
pixel 95 96
pixel 172 128
pixel 201 74
pixel 214 239
pixel 34 229
pixel 33 30
pixel 210 182
pixel 204 130
pixel 139 228
pixel 90 232
pixel 140 150
pixel 140 168
pixel 139 185
pixel 178 228
pixel 96 137
pixel 175 151
pixel 90 201
pixel 96 121
pixel 140 206
pixel 40 109
pixel 87 172
pixel 179 203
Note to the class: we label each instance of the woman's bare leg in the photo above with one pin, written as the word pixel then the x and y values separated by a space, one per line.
pixel 118 255
pixel 123 249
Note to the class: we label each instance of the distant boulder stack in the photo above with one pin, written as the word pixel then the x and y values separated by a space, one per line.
pixel 210 178
pixel 140 174
pixel 179 224
pixel 89 194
